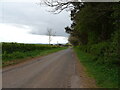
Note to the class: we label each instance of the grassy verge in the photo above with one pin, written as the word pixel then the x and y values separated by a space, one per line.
pixel 105 77
pixel 17 57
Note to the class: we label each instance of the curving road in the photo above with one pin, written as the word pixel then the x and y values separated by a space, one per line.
pixel 57 70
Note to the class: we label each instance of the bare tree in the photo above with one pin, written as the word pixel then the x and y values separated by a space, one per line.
pixel 50 33
pixel 60 5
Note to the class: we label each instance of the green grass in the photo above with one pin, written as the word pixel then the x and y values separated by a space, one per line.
pixel 17 57
pixel 105 76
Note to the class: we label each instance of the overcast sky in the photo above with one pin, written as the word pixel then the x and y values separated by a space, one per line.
pixel 27 22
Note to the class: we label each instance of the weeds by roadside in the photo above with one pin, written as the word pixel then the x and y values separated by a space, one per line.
pixel 105 76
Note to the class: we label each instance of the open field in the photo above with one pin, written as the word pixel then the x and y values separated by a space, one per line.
pixel 13 53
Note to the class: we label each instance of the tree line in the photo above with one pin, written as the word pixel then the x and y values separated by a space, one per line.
pixel 95 35
pixel 95 29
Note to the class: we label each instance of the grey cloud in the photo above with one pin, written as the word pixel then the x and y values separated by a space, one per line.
pixel 36 17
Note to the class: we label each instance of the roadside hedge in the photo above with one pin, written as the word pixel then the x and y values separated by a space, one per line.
pixel 107 53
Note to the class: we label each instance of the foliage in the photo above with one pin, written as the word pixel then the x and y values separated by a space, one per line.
pixel 92 22
pixel 73 40
pixel 114 49
pixel 105 76
pixel 15 52
pixel 96 29
pixel 13 47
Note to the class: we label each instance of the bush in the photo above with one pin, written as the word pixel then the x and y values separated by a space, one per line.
pixel 106 77
pixel 105 52
pixel 99 49
pixel 115 47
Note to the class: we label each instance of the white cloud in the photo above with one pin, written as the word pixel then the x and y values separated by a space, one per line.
pixel 19 0
pixel 17 33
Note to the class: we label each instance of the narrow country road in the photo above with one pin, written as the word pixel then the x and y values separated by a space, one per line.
pixel 57 70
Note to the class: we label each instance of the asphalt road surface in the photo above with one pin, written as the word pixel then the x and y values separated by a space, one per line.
pixel 57 70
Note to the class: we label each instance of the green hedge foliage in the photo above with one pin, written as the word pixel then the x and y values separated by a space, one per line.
pixel 107 53
pixel 13 47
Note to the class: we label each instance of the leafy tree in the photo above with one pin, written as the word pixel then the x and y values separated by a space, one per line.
pixel 92 22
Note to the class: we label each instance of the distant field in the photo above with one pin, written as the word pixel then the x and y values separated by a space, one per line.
pixel 13 53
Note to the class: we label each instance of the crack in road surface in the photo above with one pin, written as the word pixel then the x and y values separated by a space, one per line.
pixel 57 70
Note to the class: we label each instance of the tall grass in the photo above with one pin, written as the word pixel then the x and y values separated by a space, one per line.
pixel 105 76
